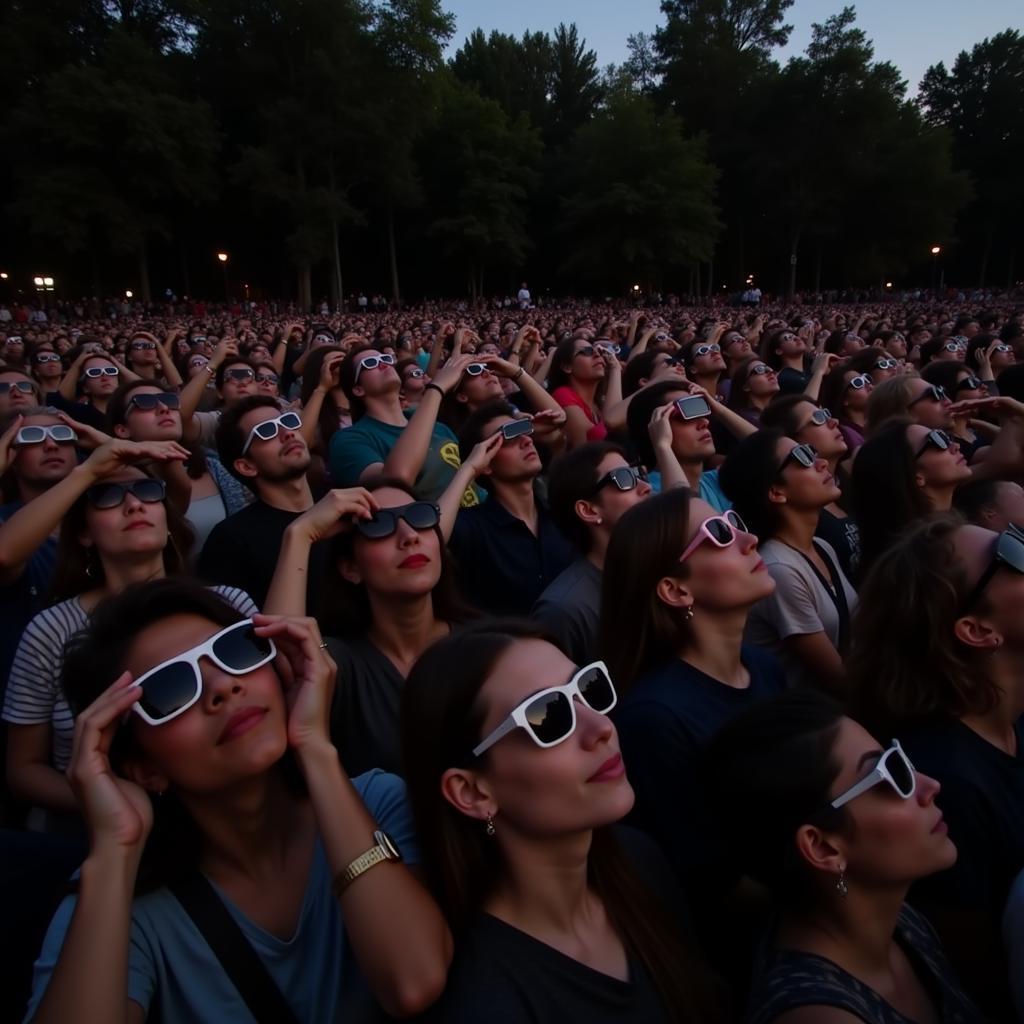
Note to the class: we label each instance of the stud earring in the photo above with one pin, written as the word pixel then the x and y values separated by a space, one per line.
pixel 491 830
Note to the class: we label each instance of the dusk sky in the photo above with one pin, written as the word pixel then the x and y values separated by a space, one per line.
pixel 913 34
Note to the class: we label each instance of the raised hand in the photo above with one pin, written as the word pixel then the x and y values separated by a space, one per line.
pixel 334 513
pixel 118 812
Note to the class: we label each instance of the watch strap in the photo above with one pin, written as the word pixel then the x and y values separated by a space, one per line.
pixel 377 854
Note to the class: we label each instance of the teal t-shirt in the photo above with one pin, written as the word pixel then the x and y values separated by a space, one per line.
pixel 171 967
pixel 368 441
pixel 710 489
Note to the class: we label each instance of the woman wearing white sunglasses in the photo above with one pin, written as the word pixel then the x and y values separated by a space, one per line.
pixel 838 827
pixel 211 789
pixel 679 581
pixel 515 778
pixel 952 688
pixel 780 488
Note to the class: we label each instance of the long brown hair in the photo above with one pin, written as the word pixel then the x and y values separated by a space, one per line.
pixel 442 719
pixel 638 630
pixel 78 569
pixel 344 607
pixel 905 662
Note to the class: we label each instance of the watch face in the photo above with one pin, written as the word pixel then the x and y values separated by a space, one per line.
pixel 388 845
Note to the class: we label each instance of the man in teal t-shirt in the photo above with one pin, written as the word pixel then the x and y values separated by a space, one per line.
pixel 386 439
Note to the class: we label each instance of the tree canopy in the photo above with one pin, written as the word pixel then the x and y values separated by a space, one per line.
pixel 329 145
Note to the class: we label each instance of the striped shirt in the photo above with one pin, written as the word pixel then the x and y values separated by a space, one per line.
pixel 33 693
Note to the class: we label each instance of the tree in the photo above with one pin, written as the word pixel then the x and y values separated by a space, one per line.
pixel 639 201
pixel 106 151
pixel 479 165
pixel 981 102
pixel 642 64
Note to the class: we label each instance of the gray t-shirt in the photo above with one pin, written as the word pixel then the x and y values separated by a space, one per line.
pixel 171 967
pixel 570 609
pixel 800 605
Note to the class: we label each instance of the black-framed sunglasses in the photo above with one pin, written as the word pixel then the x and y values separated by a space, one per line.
pixel 420 515
pixel 240 374
pixel 1008 551
pixel 110 495
pixel 625 478
pixel 803 454
pixel 517 428
pixel 693 407
pixel 266 378
pixel 936 439
pixel 934 393
pixel 970 384
pixel 147 401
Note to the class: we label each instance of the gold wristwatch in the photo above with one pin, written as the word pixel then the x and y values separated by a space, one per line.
pixel 384 849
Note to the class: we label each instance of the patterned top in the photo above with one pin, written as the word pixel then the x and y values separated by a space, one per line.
pixel 787 979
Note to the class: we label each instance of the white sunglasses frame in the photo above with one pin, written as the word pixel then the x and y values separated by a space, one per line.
pixel 191 657
pixel 516 718
pixel 880 773
pixel 276 420
pixel 386 359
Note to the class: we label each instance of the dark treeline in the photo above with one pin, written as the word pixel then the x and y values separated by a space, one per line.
pixel 328 147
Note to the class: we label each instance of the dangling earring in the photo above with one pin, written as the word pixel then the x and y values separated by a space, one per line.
pixel 688 614
pixel 841 887
pixel 89 569
pixel 490 830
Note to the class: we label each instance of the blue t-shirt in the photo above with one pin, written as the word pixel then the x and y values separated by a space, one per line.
pixel 664 723
pixel 710 490
pixel 20 600
pixel 369 440
pixel 171 966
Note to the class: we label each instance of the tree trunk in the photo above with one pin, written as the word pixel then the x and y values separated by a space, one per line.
pixel 396 295
pixel 985 253
pixel 305 286
pixel 794 247
pixel 143 257
pixel 337 288
pixel 186 281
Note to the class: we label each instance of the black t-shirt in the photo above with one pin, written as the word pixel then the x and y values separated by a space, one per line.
pixel 664 723
pixel 242 551
pixel 793 382
pixel 501 975
pixel 365 712
pixel 843 534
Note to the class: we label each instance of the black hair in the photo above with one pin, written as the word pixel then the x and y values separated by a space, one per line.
pixel 95 657
pixel 638 417
pixel 972 498
pixel 1011 382
pixel 572 478
pixel 230 436
pixel 944 372
pixel 472 432
pixel 776 760
pixel 747 475
pixel 230 363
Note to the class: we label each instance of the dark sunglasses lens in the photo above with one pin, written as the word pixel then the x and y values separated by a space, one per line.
pixel 241 649
pixel 804 454
pixel 62 433
pixel 1010 549
pixel 721 532
pixel 624 478
pixel 550 717
pixel 902 773
pixel 168 690
pixel 420 515
pixel 106 495
pixel 266 431
pixel 381 525
pixel 596 690
pixel 148 491
pixel 291 421
pixel 146 403
pixel 820 417
pixel 735 520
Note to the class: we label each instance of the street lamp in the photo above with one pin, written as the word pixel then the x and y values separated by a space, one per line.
pixel 128 293
pixel 936 249
pixel 3 275
pixel 43 285
pixel 223 257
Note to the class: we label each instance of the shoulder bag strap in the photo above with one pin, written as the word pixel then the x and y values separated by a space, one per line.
pixel 240 962
pixel 835 589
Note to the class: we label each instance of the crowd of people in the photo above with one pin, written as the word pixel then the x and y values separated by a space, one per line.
pixel 536 664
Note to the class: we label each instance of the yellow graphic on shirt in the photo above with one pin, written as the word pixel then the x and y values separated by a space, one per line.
pixel 449 452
